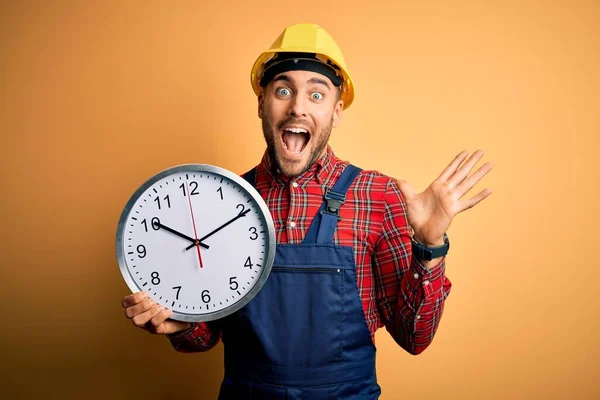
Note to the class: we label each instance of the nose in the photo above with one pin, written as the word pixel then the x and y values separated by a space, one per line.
pixel 298 106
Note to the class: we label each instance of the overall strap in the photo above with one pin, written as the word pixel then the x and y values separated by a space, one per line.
pixel 250 176
pixel 323 226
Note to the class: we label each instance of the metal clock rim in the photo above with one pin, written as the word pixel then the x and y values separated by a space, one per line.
pixel 195 167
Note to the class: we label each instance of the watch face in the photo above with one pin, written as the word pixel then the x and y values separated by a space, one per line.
pixel 199 239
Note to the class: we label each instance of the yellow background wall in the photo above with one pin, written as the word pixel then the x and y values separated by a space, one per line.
pixel 95 97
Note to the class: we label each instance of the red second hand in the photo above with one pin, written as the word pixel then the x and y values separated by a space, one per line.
pixel 194 224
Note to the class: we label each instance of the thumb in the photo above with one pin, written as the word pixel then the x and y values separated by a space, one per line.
pixel 407 191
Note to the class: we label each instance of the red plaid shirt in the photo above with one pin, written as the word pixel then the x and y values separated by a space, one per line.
pixel 395 289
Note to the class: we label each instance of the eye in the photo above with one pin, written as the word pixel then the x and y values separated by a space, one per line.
pixel 283 91
pixel 316 96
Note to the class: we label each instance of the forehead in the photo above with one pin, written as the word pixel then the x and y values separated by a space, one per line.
pixel 302 78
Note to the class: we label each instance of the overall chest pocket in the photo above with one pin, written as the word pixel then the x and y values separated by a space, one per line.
pixel 298 316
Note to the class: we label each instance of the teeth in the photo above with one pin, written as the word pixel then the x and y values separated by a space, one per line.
pixel 297 130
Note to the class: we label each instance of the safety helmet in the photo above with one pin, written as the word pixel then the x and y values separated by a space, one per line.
pixel 305 38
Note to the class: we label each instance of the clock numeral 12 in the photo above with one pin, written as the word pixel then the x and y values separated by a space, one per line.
pixel 194 191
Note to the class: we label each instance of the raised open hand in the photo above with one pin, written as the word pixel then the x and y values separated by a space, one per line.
pixel 431 212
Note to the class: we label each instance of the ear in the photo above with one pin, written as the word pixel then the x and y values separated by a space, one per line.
pixel 337 113
pixel 261 101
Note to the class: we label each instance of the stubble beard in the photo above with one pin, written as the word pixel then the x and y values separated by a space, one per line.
pixel 316 153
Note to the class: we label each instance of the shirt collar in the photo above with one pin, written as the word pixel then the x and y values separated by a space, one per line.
pixel 321 169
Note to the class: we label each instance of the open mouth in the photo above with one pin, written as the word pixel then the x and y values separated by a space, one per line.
pixel 295 139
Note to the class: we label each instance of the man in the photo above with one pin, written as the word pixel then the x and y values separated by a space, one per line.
pixel 356 250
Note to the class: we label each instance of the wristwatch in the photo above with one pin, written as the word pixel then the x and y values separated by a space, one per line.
pixel 429 253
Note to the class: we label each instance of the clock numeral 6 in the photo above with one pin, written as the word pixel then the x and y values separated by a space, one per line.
pixel 205 296
pixel 254 235
pixel 155 278
pixel 232 282
pixel 154 223
pixel 141 249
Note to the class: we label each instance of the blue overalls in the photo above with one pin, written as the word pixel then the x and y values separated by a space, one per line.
pixel 304 335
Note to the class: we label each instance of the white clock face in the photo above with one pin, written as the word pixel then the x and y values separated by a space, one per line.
pixel 199 239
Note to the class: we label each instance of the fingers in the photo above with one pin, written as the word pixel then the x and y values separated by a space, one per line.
pixel 134 299
pixel 141 319
pixel 463 171
pixel 157 323
pixel 451 168
pixel 139 308
pixel 475 199
pixel 145 313
pixel 468 183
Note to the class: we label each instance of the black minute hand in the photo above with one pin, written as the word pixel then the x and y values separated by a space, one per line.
pixel 240 215
pixel 191 239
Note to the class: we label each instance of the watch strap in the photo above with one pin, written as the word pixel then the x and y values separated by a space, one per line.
pixel 424 252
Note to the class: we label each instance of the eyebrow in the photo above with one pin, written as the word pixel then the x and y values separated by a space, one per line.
pixel 286 78
pixel 319 81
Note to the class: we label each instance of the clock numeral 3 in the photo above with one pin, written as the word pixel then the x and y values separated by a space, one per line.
pixel 205 296
pixel 232 282
pixel 154 223
pixel 248 263
pixel 155 278
pixel 141 249
pixel 254 235
pixel 178 288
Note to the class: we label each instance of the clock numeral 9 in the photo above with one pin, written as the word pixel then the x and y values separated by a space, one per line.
pixel 157 200
pixel 248 263
pixel 154 223
pixel 205 296
pixel 178 288
pixel 232 282
pixel 141 249
pixel 254 235
pixel 194 191
pixel 155 278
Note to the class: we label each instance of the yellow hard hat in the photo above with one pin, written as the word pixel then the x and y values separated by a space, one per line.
pixel 306 38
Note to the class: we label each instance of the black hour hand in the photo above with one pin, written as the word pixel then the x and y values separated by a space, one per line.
pixel 181 235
